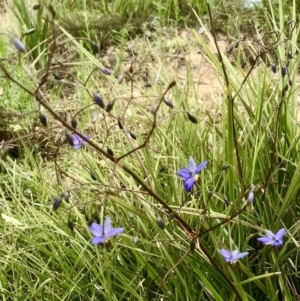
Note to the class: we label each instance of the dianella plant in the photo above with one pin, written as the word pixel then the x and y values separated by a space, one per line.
pixel 124 193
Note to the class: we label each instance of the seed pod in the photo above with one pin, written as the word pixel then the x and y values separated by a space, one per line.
pixel 168 103
pixel 192 118
pixel 29 31
pixel 105 71
pixel 56 203
pixel 120 78
pixel 110 151
pixel 19 45
pixel 160 223
pixel 193 245
pixel 69 138
pixel 43 119
pixel 132 135
pixel 95 48
pixel 283 71
pixel 70 225
pixel 273 68
pixel 74 123
pixel 110 106
pixel 57 76
pixel 98 100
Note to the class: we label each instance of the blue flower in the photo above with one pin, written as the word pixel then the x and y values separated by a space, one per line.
pixel 273 239
pixel 190 173
pixel 103 232
pixel 78 141
pixel 232 256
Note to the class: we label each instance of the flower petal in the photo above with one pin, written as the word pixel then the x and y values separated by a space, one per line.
pixel 192 165
pixel 114 231
pixel 266 240
pixel 225 253
pixel 98 240
pixel 270 234
pixel 184 173
pixel 107 225
pixel 96 229
pixel 278 243
pixel 280 234
pixel 240 255
pixel 201 166
pixel 189 183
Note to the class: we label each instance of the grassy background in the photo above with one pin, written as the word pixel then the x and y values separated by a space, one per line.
pixel 46 254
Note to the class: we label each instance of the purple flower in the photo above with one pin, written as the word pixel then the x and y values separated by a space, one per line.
pixel 78 141
pixel 103 232
pixel 190 173
pixel 273 239
pixel 232 256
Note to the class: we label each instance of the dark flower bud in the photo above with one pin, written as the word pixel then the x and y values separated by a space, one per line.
pixel 110 151
pixel 243 64
pixel 283 71
pixel 43 119
pixel 95 48
pixel 120 124
pixel 93 177
pixel 226 201
pixel 36 6
pixel 273 68
pixel 52 10
pixel 168 103
pixel 98 100
pixel 133 136
pixel 230 48
pixel 19 45
pixel 29 31
pixel 290 83
pixel 193 245
pixel 110 106
pixel 70 225
pixel 192 118
pixel 66 195
pixel 105 71
pixel 145 273
pixel 131 69
pixel 160 223
pixel 120 78
pixel 74 123
pixel 69 138
pixel 171 85
pixel 56 203
pixel 57 76
pixel 224 167
pixel 290 55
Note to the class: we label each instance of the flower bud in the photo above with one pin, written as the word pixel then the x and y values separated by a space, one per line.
pixel 120 124
pixel 120 78
pixel 273 68
pixel 168 103
pixel 56 203
pixel 69 138
pixel 133 136
pixel 110 151
pixel 135 240
pixel 110 106
pixel 250 198
pixel 160 223
pixel 105 71
pixel 95 48
pixel 192 118
pixel 283 71
pixel 98 100
pixel 70 225
pixel 29 31
pixel 74 123
pixel 57 76
pixel 19 45
pixel 43 119
pixel 36 6
pixel 66 195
